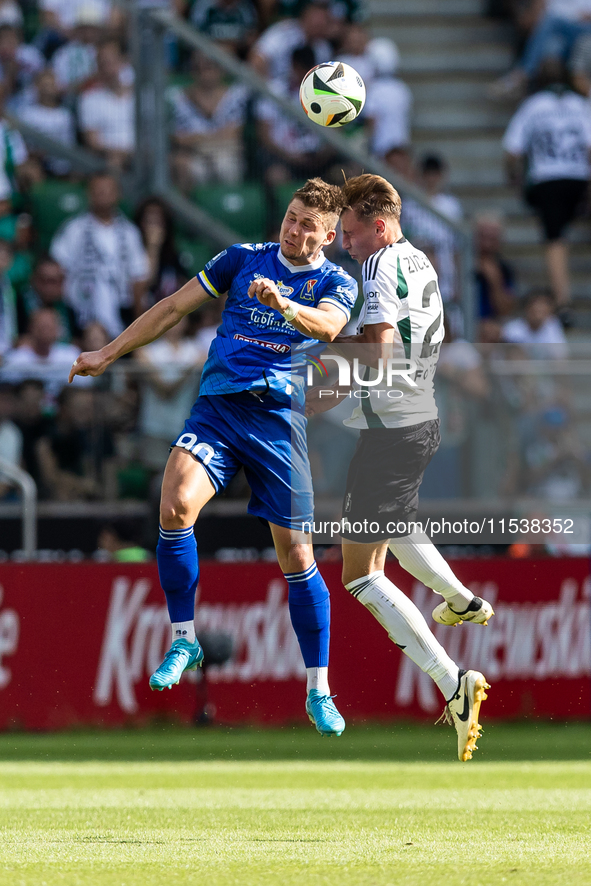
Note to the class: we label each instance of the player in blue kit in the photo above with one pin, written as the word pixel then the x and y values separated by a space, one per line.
pixel 282 299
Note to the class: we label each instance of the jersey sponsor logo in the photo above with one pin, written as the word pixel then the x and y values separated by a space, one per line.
pixel 284 290
pixel 373 308
pixel 307 293
pixel 275 346
pixel 370 296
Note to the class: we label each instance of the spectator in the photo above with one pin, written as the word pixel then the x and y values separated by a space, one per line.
pixel 355 51
pixel 169 390
pixel 11 439
pixel 107 110
pixel 423 228
pixel 33 423
pixel 46 290
pixel 208 118
pixel 552 132
pixel 94 337
pixel 539 331
pixel 556 465
pixel 495 280
pixel 8 307
pixel 13 156
pixel 41 356
pixel 58 20
pixel 552 37
pixel 271 54
pixel 208 320
pixel 231 22
pixel 291 150
pixel 11 13
pixel 104 260
pixel 75 61
pixel 156 226
pixel 120 541
pixel 389 130
pixel 19 62
pixel 77 457
pixel 48 116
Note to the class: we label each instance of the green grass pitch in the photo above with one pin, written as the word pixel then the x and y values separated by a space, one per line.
pixel 380 805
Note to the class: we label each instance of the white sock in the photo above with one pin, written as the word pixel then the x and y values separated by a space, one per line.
pixel 317 678
pixel 183 630
pixel 418 555
pixel 407 628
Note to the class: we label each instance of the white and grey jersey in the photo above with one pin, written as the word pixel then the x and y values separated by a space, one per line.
pixel 400 288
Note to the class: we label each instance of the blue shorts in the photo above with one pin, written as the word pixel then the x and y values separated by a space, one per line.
pixel 229 431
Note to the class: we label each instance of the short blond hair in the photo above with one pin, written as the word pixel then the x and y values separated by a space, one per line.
pixel 370 196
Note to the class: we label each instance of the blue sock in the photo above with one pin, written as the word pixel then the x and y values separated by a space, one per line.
pixel 309 608
pixel 178 568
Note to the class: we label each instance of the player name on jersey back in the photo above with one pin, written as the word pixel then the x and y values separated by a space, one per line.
pixel 400 288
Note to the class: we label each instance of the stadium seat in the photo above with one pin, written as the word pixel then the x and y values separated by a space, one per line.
pixel 193 255
pixel 240 207
pixel 52 202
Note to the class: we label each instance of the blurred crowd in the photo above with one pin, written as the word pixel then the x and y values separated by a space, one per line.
pixel 78 261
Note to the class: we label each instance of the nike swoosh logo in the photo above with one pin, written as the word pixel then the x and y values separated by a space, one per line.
pixel 465 713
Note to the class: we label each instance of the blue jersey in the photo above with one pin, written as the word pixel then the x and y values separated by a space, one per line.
pixel 255 349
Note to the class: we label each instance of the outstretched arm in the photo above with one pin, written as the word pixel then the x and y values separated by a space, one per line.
pixel 151 325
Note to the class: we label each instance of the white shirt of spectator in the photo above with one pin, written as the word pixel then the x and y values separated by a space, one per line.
pixel 11 445
pixel 190 120
pixel 391 129
pixel 400 289
pixel 110 115
pixel 73 63
pixel 10 140
pixel 284 131
pixel 11 14
pixel 66 11
pixel 52 370
pixel 572 10
pixel 554 131
pixel 8 324
pixel 119 260
pixel 58 123
pixel 547 342
pixel 159 414
pixel 278 42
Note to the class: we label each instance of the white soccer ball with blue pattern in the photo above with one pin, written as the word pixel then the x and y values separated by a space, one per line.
pixel 332 94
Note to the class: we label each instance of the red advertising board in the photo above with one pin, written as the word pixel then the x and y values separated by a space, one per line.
pixel 78 642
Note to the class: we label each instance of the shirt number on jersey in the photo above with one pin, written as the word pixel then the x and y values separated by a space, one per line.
pixel 430 290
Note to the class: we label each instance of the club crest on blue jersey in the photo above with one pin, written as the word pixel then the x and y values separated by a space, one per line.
pixel 307 293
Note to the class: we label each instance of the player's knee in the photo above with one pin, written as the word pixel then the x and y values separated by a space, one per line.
pixel 297 559
pixel 175 511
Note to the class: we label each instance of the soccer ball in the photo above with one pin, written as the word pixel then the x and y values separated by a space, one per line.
pixel 332 94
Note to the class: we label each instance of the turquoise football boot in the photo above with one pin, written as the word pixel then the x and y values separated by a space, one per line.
pixel 182 656
pixel 323 713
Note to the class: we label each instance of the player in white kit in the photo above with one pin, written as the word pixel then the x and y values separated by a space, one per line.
pixel 402 316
